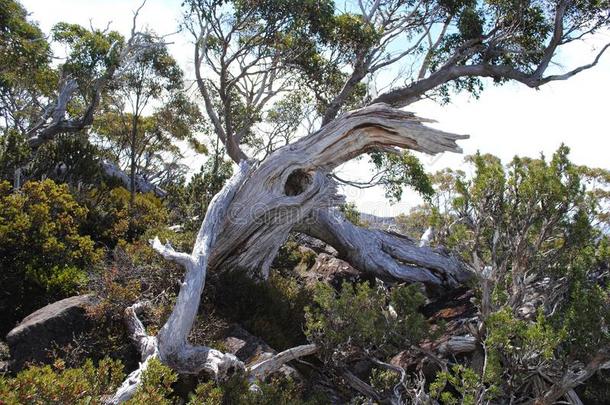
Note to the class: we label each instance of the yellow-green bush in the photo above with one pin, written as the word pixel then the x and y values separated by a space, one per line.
pixel 158 380
pixel 91 385
pixel 290 256
pixel 56 384
pixel 44 253
pixel 111 220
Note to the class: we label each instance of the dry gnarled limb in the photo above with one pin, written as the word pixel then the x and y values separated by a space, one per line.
pixel 574 377
pixel 142 185
pixel 171 345
pixel 252 215
pixel 386 255
pixel 260 370
pixel 292 187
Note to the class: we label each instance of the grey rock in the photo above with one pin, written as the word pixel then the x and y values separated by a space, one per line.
pixel 331 270
pixel 251 349
pixel 53 325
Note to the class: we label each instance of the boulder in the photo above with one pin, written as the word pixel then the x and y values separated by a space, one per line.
pixel 251 349
pixel 4 357
pixel 53 325
pixel 332 270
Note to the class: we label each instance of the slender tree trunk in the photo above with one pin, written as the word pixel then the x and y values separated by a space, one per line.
pixel 132 158
pixel 216 157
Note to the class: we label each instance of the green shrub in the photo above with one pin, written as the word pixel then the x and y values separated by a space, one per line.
pixel 363 319
pixel 466 383
pixel 59 385
pixel 237 391
pixel 273 310
pixel 91 385
pixel 14 153
pixel 351 213
pixel 44 253
pixel 69 158
pixel 156 387
pixel 291 255
pixel 136 272
pixel 112 221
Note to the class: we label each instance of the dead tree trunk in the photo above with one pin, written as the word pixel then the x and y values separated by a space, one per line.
pixel 386 255
pixel 251 217
pixel 171 345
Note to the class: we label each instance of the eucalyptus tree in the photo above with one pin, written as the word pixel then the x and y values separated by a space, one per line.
pixel 22 44
pixel 250 56
pixel 142 116
pixel 95 58
pixel 41 99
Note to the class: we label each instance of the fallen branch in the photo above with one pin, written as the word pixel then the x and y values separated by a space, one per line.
pixel 260 370
pixel 386 255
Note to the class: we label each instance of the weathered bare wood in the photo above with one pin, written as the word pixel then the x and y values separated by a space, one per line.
pixel 293 183
pixel 142 185
pixel 426 237
pixel 260 370
pixel 174 349
pixel 361 386
pixel 147 346
pixel 171 345
pixel 458 344
pixel 386 255
pixel 574 377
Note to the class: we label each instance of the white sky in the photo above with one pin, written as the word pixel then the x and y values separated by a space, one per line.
pixel 505 121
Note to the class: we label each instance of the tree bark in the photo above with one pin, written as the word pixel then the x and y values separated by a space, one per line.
pixel 249 219
pixel 132 157
pixel 386 255
pixel 292 187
